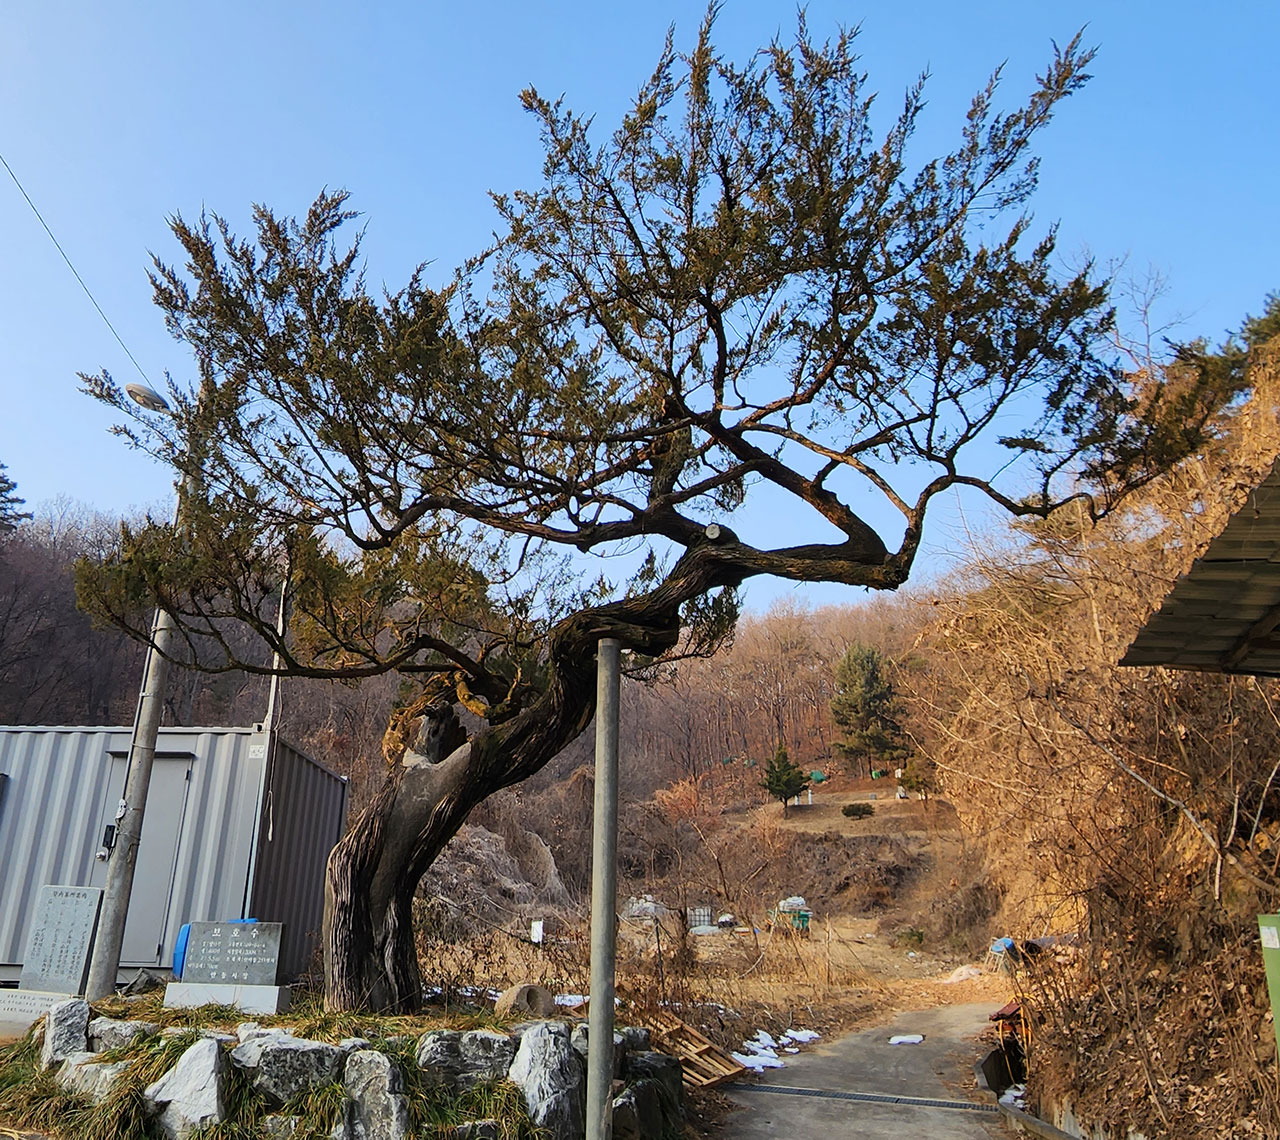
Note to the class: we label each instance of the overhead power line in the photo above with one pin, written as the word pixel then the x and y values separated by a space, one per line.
pixel 75 272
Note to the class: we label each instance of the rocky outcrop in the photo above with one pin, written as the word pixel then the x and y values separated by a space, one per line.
pixel 486 1056
pixel 636 1038
pixel 545 1059
pixel 66 1032
pixel 551 1076
pixel 637 1112
pixel 580 1037
pixel 459 1061
pixel 82 1073
pixel 653 1080
pixel 376 1108
pixel 288 1066
pixel 192 1094
pixel 107 1033
pixel 253 1041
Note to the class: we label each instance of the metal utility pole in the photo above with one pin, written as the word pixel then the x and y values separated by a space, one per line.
pixel 604 891
pixel 107 944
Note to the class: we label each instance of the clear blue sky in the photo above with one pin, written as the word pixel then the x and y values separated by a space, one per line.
pixel 117 115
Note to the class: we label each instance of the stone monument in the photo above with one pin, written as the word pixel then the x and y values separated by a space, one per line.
pixel 231 963
pixel 56 960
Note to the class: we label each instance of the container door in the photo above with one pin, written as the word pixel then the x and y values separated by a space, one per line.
pixel 144 929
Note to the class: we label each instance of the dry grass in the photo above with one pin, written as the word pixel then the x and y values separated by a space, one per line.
pixel 1135 807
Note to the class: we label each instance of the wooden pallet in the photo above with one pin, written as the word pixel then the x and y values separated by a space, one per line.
pixel 704 1063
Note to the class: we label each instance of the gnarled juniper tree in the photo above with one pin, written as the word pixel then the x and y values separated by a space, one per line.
pixel 742 289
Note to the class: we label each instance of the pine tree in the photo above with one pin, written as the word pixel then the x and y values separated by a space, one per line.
pixel 920 777
pixel 866 709
pixel 10 516
pixel 783 779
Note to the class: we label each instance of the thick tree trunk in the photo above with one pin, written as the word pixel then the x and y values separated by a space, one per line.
pixel 370 958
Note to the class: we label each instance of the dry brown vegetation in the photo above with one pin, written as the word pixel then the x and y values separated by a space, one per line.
pixel 710 841
pixel 1137 807
pixel 857 962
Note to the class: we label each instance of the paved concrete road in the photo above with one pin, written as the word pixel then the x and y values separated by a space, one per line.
pixel 866 1063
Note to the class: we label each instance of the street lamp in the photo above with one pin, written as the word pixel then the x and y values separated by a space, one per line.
pixel 105 964
pixel 148 398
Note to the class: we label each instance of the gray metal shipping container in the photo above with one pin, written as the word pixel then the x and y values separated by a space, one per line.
pixel 239 824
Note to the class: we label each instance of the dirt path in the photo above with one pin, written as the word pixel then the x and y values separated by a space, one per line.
pixel 880 1090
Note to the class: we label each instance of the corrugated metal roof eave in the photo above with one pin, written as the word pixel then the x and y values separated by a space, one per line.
pixel 250 731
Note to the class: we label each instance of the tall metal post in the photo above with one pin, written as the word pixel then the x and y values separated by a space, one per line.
pixel 604 891
pixel 124 856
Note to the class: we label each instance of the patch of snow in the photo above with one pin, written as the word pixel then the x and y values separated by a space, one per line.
pixel 906 1039
pixel 764 1040
pixel 790 1049
pixel 579 999
pixel 802 1036
pixel 1015 1096
pixel 758 1063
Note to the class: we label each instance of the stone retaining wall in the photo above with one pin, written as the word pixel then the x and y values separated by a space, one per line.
pixel 545 1059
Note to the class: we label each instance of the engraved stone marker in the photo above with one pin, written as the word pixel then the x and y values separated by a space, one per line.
pixel 20 1009
pixel 233 953
pixel 61 937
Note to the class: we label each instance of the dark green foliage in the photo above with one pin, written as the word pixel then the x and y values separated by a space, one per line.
pixel 858 810
pixel 1201 380
pixel 1259 330
pixel 10 516
pixel 609 373
pixel 920 777
pixel 866 709
pixel 909 936
pixel 783 779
